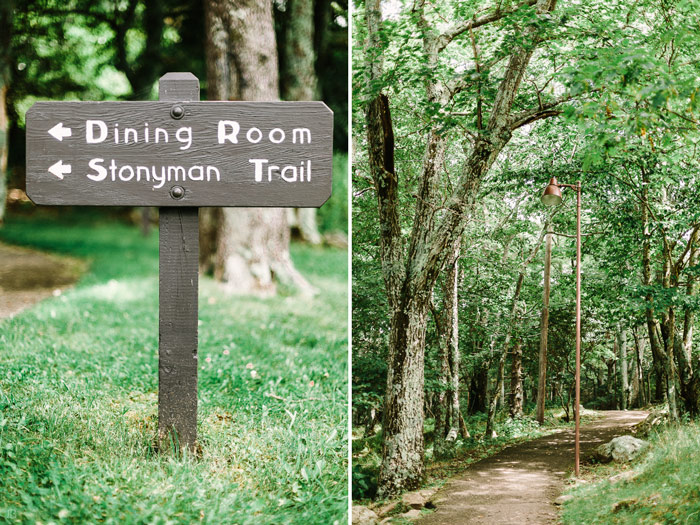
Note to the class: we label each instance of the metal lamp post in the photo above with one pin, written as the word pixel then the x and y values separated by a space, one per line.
pixel 552 197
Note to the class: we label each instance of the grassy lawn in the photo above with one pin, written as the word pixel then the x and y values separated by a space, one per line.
pixel 662 487
pixel 78 394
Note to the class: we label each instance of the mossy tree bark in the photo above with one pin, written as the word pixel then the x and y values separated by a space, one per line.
pixel 246 248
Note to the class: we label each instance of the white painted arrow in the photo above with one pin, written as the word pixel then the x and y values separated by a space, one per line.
pixel 59 169
pixel 59 132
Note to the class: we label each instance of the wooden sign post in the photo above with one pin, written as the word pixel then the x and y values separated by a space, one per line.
pixel 179 154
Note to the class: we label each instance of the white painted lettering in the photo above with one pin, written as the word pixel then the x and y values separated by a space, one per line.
pixel 146 172
pixel 190 173
pixel 133 132
pixel 159 132
pixel 224 135
pixel 213 169
pixel 279 132
pixel 161 179
pixel 301 134
pixel 101 172
pixel 288 178
pixel 90 137
pixel 187 139
pixel 175 170
pixel 113 169
pixel 126 168
pixel 258 168
pixel 250 138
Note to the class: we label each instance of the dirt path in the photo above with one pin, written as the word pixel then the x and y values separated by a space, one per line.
pixel 519 484
pixel 29 276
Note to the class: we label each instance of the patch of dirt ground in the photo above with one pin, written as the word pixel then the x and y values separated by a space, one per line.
pixel 520 483
pixel 28 276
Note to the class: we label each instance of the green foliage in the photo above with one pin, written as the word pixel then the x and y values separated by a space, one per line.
pixel 78 393
pixel 333 215
pixel 661 488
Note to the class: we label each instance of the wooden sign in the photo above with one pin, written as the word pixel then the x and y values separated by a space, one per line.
pixel 180 153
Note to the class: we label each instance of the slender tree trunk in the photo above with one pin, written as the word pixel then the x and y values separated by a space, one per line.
pixel 668 331
pixel 447 425
pixel 512 324
pixel 248 248
pixel 622 346
pixel 301 83
pixel 516 381
pixel 544 329
pixel 6 10
pixel 656 352
pixel 455 358
pixel 687 372
pixel 490 433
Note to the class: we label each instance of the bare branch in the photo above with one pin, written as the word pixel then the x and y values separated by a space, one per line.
pixel 544 111
pixel 449 35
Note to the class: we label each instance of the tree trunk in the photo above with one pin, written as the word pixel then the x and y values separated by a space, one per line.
pixel 656 352
pixel 478 391
pixel 248 248
pixel 299 82
pixel 6 10
pixel 490 433
pixel 622 346
pixel 447 425
pixel 512 323
pixel 685 364
pixel 516 381
pixel 403 447
pixel 544 329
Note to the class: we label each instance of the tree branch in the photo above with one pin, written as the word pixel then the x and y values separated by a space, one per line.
pixel 448 36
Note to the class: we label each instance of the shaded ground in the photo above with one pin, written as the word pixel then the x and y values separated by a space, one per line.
pixel 519 484
pixel 29 276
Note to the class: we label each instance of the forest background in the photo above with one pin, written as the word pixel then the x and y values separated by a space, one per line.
pixel 463 282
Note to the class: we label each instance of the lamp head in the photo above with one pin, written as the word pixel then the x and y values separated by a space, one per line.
pixel 552 193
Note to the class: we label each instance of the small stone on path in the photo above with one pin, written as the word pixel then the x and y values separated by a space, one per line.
pixel 363 516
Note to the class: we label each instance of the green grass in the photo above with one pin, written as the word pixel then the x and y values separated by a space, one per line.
pixel 663 486
pixel 78 394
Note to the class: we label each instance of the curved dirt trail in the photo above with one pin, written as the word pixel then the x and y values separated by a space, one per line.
pixel 519 484
pixel 28 276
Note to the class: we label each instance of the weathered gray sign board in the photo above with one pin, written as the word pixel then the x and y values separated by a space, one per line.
pixel 179 153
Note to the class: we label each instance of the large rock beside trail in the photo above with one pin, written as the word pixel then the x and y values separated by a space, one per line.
pixel 621 449
pixel 418 499
pixel 363 516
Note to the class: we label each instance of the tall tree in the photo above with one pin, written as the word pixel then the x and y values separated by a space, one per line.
pixel 6 10
pixel 247 248
pixel 410 277
pixel 544 329
pixel 300 82
pixel 447 419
